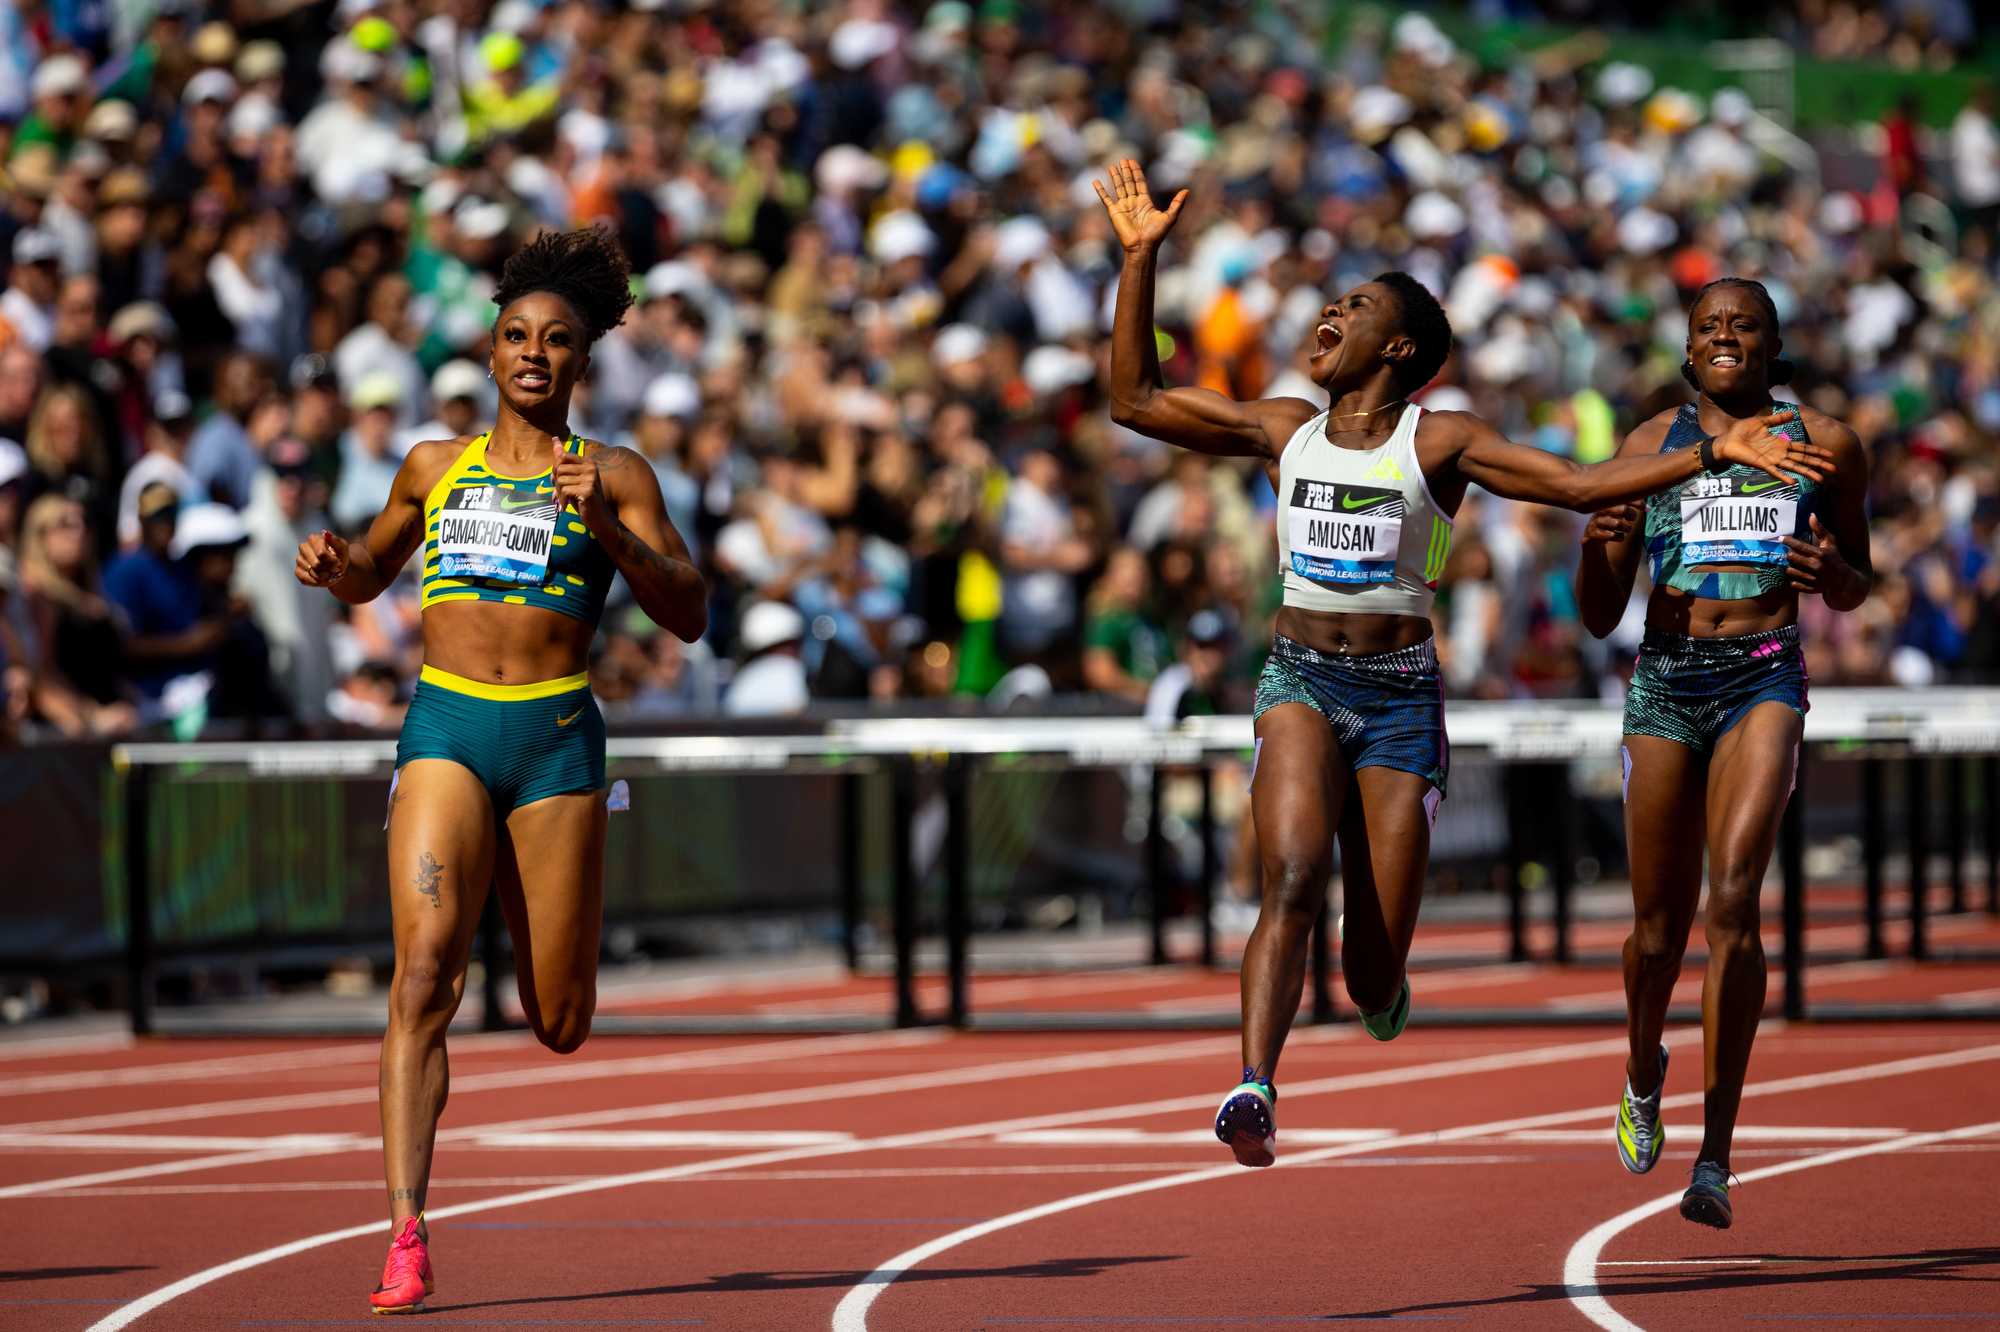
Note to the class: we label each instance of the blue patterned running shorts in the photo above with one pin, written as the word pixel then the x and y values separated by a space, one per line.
pixel 1387 710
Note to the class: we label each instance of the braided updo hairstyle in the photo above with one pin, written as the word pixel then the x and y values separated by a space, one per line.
pixel 585 267
pixel 1778 371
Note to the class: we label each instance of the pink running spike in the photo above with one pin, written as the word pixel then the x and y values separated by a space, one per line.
pixel 406 1275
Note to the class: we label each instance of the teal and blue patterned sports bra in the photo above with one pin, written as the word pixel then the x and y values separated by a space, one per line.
pixel 1740 516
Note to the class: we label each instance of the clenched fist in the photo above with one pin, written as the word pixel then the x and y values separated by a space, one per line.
pixel 578 486
pixel 1612 524
pixel 322 560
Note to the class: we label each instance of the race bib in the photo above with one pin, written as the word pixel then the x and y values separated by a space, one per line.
pixel 495 532
pixel 1345 534
pixel 1737 519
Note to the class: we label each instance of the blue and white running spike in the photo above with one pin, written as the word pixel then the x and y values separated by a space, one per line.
pixel 1248 1121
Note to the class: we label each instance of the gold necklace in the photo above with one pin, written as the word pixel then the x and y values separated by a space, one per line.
pixel 1342 416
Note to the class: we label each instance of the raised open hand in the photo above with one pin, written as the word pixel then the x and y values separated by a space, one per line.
pixel 1133 216
pixel 1756 442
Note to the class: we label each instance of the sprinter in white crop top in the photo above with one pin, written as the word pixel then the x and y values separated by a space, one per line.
pixel 1350 702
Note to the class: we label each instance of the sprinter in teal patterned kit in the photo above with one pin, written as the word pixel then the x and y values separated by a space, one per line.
pixel 1717 704
pixel 500 765
pixel 1350 712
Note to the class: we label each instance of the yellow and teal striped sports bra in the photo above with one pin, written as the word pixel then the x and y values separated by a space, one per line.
pixel 501 538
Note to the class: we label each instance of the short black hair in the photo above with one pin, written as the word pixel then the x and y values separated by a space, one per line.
pixel 1423 321
pixel 1779 371
pixel 585 267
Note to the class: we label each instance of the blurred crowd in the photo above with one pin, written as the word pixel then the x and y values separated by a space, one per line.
pixel 246 255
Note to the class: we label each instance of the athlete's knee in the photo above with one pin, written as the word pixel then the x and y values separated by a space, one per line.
pixel 1655 946
pixel 425 988
pixel 563 1025
pixel 1733 907
pixel 1293 886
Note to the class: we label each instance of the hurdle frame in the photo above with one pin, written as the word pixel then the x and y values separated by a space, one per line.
pixel 1871 726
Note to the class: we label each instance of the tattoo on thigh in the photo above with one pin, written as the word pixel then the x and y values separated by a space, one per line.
pixel 396 798
pixel 429 873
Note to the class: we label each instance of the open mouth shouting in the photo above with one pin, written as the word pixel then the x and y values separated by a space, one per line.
pixel 1328 334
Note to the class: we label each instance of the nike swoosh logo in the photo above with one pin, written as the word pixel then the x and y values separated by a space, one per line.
pixel 1760 487
pixel 564 721
pixel 1348 501
pixel 512 505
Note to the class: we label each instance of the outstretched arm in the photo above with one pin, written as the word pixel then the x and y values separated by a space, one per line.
pixel 1518 472
pixel 616 495
pixel 1194 418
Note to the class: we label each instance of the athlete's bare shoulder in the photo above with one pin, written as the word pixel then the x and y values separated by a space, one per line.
pixel 1828 431
pixel 1282 418
pixel 1650 434
pixel 427 462
pixel 610 457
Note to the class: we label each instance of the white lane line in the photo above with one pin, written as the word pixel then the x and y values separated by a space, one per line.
pixel 56 1047
pixel 851 1315
pixel 732 1055
pixel 1134 1137
pixel 1580 1268
pixel 189 1070
pixel 631 994
pixel 169 1142
pixel 170 1168
pixel 1692 1132
pixel 631 1140
pixel 898 1172
pixel 1414 1073
pixel 1095 1059
pixel 664 1141
pixel 996 990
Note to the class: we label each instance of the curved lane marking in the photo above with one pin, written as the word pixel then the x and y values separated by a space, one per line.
pixel 851 1314
pixel 1580 1268
pixel 138 1308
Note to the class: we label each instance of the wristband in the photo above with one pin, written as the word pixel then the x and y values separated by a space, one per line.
pixel 1705 452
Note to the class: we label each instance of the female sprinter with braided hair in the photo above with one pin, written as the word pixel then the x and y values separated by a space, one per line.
pixel 1718 701
pixel 500 767
pixel 1350 712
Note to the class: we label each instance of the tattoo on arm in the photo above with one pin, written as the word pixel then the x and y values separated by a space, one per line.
pixel 641 554
pixel 611 459
pixel 429 873
pixel 405 543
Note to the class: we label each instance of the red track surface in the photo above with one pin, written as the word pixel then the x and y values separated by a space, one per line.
pixel 1461 1215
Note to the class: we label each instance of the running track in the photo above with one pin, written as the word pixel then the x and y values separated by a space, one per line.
pixel 918 1181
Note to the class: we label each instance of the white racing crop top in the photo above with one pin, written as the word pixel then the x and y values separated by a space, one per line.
pixel 1358 531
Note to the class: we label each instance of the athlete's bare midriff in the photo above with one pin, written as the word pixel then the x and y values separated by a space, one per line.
pixel 495 643
pixel 1334 634
pixel 1673 611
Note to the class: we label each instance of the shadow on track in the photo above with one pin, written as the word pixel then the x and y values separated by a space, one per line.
pixel 57 1273
pixel 751 1282
pixel 1928 1265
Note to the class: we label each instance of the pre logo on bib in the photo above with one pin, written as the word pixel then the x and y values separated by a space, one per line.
pixel 1737 519
pixel 492 531
pixel 1343 534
